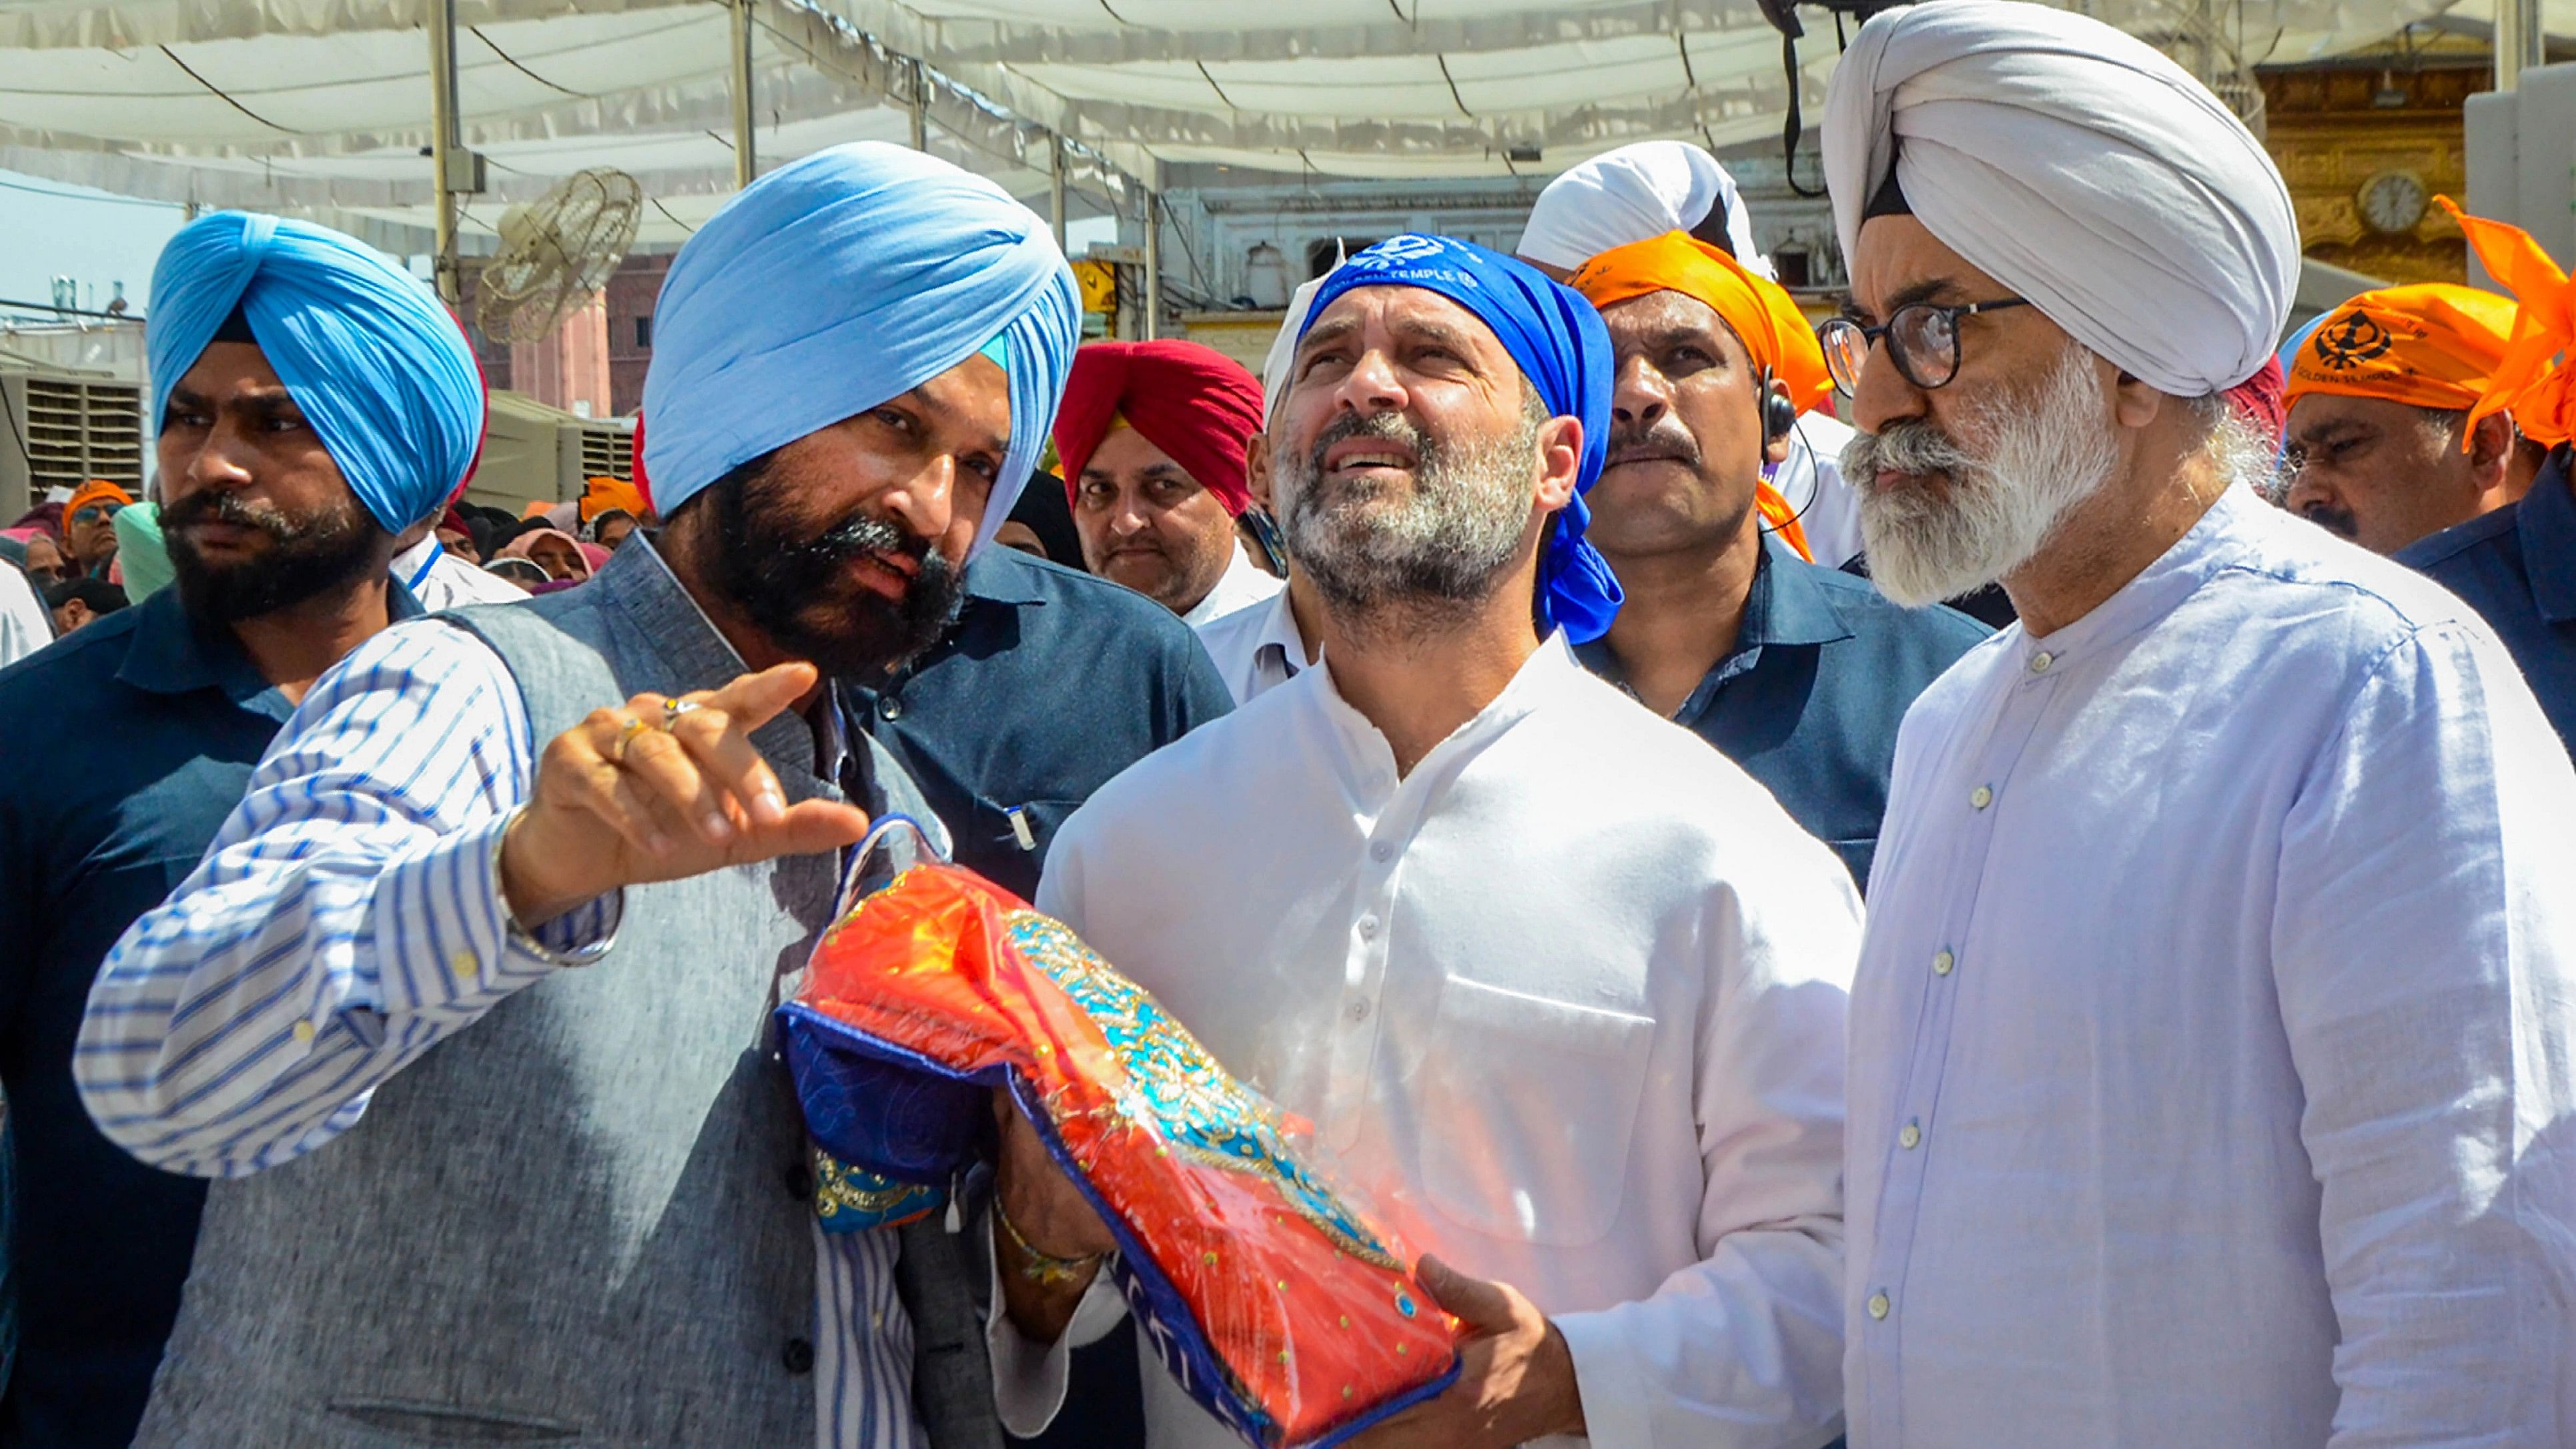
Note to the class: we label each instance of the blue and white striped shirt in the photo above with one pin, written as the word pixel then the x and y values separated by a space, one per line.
pixel 348 917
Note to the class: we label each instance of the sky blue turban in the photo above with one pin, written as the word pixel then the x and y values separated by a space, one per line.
pixel 1563 348
pixel 374 360
pixel 833 284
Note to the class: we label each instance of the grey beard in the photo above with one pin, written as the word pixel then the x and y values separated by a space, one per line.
pixel 2052 449
pixel 1422 559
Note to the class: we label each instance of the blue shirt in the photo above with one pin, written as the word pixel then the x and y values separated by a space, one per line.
pixel 2517 568
pixel 136 736
pixel 1823 670
pixel 1050 682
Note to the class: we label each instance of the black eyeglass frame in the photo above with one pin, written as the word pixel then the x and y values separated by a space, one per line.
pixel 1827 330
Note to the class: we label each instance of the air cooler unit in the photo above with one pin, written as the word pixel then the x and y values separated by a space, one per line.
pixel 62 428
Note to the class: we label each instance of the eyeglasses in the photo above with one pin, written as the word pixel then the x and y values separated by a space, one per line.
pixel 97 512
pixel 1922 340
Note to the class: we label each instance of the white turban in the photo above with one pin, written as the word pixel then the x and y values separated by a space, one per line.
pixel 2080 168
pixel 1631 194
pixel 1283 348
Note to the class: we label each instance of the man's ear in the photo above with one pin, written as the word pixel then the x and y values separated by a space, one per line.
pixel 1776 450
pixel 1256 470
pixel 2133 403
pixel 2491 450
pixel 1560 460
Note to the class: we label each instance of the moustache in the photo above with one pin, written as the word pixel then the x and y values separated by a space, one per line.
pixel 2333 520
pixel 1912 448
pixel 215 505
pixel 1666 436
pixel 858 536
pixel 1392 427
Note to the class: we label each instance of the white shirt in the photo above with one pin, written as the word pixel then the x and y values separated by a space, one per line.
pixel 2211 1051
pixel 1811 479
pixel 1565 1004
pixel 25 627
pixel 441 580
pixel 1256 649
pixel 1242 585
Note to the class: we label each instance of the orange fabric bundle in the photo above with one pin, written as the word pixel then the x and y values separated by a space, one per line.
pixel 2536 380
pixel 1763 315
pixel 1286 1313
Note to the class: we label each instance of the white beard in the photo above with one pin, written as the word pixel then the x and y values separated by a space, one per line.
pixel 2051 449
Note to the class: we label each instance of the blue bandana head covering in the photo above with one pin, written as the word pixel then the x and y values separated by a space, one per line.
pixel 1563 348
pixel 368 352
pixel 833 284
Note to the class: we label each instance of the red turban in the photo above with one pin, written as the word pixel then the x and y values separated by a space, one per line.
pixel 2263 400
pixel 1191 401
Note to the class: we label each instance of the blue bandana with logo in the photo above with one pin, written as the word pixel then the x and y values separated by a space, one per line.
pixel 1562 347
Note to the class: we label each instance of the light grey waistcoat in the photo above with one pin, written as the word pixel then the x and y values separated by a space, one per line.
pixel 577 1221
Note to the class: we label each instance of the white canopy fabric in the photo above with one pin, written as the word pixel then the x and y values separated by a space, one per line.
pixel 323 105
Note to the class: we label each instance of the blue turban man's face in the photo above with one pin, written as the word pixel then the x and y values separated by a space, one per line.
pixel 1413 464
pixel 254 511
pixel 846 546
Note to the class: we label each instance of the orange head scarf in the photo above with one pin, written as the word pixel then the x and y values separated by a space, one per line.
pixel 1772 328
pixel 2536 380
pixel 2436 345
pixel 96 490
pixel 602 493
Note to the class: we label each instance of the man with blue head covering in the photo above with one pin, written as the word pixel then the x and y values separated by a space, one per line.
pixel 1560 988
pixel 310 400
pixel 468 1002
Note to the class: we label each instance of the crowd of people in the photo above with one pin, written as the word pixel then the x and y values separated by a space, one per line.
pixel 1480 730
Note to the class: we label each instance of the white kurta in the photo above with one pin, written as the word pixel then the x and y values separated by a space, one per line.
pixel 1566 1003
pixel 1242 585
pixel 441 580
pixel 25 626
pixel 1256 649
pixel 1811 480
pixel 2210 1073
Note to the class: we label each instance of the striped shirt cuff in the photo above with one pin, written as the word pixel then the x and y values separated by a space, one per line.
pixel 449 949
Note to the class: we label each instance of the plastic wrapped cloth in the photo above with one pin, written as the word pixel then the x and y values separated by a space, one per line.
pixel 1270 1299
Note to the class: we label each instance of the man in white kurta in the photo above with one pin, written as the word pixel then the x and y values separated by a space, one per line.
pixel 2212 1041
pixel 1562 997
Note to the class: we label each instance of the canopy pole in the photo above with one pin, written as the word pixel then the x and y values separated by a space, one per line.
pixel 443 144
pixel 2517 40
pixel 745 164
pixel 1153 263
pixel 1055 185
pixel 920 107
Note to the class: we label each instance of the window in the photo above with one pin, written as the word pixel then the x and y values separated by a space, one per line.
pixel 644 330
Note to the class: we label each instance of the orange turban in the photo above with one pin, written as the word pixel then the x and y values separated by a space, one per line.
pixel 2430 346
pixel 603 493
pixel 95 490
pixel 1772 328
pixel 2536 380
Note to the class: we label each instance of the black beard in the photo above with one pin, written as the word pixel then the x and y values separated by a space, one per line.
pixel 311 556
pixel 798 591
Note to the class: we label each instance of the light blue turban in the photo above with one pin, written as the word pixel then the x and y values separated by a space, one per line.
pixel 833 284
pixel 367 351
pixel 1563 348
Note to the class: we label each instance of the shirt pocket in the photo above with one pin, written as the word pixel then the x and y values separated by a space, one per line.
pixel 1527 1110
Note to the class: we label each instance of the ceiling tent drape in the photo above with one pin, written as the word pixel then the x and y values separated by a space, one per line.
pixel 322 105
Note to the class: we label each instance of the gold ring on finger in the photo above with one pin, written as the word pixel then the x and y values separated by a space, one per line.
pixel 672 709
pixel 626 734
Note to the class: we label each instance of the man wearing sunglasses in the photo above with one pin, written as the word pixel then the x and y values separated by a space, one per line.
pixel 89 526
pixel 2210 1050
